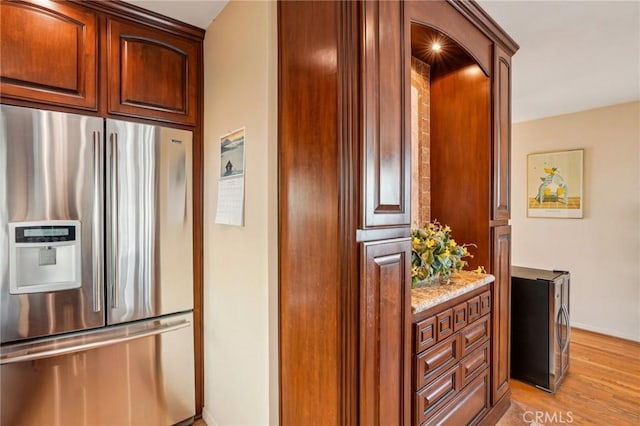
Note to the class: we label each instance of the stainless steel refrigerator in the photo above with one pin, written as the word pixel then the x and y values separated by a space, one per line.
pixel 96 268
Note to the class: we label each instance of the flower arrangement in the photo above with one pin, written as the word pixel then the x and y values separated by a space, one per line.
pixel 435 254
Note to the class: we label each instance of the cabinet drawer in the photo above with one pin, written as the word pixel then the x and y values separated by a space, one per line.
pixel 473 309
pixel 485 303
pixel 459 316
pixel 444 324
pixel 425 334
pixel 436 393
pixel 474 363
pixel 437 359
pixel 468 406
pixel 474 335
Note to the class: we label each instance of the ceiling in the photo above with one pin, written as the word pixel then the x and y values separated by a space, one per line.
pixel 199 13
pixel 574 55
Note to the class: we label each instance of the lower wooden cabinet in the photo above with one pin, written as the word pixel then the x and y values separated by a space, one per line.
pixel 501 269
pixel 468 407
pixel 451 376
pixel 385 353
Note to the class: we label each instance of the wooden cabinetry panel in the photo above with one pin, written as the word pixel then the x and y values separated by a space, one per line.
pixel 459 316
pixel 151 73
pixel 385 349
pixel 485 303
pixel 501 312
pixel 425 336
pixel 473 309
pixel 436 359
pixel 444 324
pixel 460 137
pixel 474 363
pixel 49 53
pixel 468 407
pixel 474 335
pixel 467 351
pixel 502 135
pixel 312 352
pixel 387 150
pixel 436 393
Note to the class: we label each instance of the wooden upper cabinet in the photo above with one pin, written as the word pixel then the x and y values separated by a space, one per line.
pixel 48 53
pixel 502 134
pixel 152 73
pixel 387 150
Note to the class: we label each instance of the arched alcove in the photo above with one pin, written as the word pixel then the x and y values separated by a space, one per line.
pixel 450 137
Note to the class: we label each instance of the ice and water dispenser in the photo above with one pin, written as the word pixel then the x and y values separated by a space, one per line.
pixel 44 256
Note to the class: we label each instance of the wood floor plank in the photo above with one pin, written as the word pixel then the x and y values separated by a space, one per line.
pixel 601 388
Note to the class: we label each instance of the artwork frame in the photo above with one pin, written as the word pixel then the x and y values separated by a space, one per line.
pixel 555 184
pixel 232 154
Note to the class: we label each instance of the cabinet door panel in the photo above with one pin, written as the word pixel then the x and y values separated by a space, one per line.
pixel 502 135
pixel 501 313
pixel 385 344
pixel 151 73
pixel 387 174
pixel 48 53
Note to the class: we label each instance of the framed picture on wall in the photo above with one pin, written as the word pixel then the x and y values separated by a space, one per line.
pixel 555 184
pixel 232 154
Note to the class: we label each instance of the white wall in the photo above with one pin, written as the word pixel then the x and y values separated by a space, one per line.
pixel 240 263
pixel 602 251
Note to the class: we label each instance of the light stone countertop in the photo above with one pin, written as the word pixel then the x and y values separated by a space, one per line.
pixel 423 298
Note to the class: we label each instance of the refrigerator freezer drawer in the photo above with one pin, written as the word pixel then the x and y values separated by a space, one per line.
pixel 137 374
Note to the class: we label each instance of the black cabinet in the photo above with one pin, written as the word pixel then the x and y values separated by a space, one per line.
pixel 540 332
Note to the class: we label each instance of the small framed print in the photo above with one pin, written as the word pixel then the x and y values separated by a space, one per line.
pixel 555 184
pixel 232 154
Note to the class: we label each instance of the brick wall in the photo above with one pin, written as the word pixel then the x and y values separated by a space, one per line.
pixel 420 142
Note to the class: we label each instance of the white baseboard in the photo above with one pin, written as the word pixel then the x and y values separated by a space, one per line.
pixel 604 331
pixel 208 418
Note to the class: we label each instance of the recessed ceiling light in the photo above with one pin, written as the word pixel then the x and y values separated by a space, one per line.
pixel 436 47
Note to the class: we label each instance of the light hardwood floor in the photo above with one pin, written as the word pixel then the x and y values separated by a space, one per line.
pixel 602 387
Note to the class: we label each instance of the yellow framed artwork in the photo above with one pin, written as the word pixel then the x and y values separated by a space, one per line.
pixel 555 184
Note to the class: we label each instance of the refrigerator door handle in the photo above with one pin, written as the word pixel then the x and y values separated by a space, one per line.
pixel 558 323
pixel 562 320
pixel 565 314
pixel 114 221
pixel 97 223
pixel 52 350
